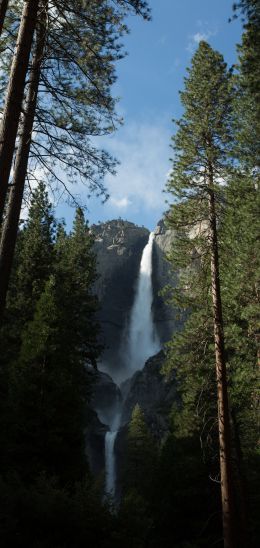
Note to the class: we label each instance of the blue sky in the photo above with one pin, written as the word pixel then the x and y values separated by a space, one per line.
pixel 149 79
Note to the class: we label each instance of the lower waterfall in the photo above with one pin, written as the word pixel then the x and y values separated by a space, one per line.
pixel 141 342
pixel 110 462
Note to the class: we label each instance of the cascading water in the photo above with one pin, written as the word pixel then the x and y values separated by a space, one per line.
pixel 142 338
pixel 109 454
pixel 141 343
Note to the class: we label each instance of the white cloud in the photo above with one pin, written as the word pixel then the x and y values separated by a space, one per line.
pixel 143 152
pixel 197 37
pixel 120 203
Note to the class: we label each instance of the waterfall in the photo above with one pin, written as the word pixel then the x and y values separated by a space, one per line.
pixel 142 338
pixel 110 439
pixel 110 462
pixel 141 343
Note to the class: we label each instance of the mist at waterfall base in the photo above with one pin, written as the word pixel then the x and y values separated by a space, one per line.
pixel 140 342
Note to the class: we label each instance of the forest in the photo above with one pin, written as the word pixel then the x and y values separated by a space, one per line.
pixel 198 485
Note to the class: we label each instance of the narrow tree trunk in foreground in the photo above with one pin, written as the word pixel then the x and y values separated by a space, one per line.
pixel 223 411
pixel 14 97
pixel 10 227
pixel 3 9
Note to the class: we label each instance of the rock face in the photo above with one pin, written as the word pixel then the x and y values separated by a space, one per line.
pixel 94 442
pixel 118 245
pixel 153 392
pixel 163 275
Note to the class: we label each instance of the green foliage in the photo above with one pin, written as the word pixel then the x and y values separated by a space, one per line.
pixel 46 515
pixel 46 379
pixel 35 254
pixel 187 504
pixel 135 522
pixel 141 462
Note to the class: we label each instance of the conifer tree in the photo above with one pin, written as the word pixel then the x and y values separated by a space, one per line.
pixel 141 455
pixel 201 161
pixel 76 274
pixel 36 255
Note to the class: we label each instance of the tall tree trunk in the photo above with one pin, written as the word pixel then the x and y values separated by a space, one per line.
pixel 3 8
pixel 223 408
pixel 14 97
pixel 10 227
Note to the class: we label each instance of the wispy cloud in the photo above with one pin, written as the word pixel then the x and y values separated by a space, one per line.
pixel 204 33
pixel 120 203
pixel 143 152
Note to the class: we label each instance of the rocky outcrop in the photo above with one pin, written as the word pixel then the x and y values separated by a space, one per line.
pixel 154 392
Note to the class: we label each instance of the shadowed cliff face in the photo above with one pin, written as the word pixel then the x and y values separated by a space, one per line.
pixel 118 245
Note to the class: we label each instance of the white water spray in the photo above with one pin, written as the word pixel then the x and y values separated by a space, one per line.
pixel 143 341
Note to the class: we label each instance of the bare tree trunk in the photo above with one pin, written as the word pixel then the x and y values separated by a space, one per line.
pixel 10 227
pixel 223 408
pixel 14 97
pixel 3 9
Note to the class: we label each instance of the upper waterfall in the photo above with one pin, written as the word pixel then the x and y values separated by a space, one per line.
pixel 143 341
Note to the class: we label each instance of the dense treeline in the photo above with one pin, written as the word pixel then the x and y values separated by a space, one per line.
pixel 199 486
pixel 45 381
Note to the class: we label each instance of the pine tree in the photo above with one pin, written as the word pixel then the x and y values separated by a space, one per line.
pixel 201 161
pixel 141 456
pixel 36 254
pixel 76 273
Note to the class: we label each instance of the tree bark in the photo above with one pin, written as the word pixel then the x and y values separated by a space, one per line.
pixel 3 9
pixel 14 97
pixel 221 376
pixel 11 223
